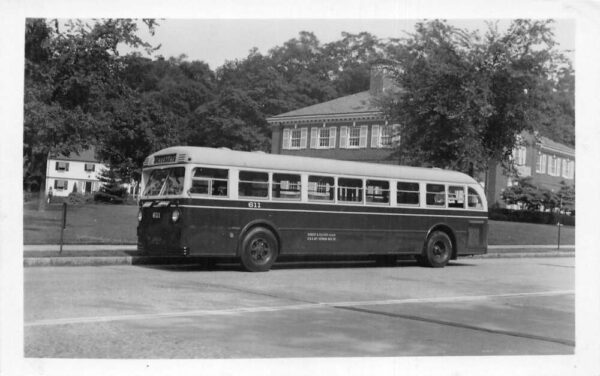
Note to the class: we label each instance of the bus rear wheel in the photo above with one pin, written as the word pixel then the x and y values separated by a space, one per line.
pixel 259 250
pixel 437 251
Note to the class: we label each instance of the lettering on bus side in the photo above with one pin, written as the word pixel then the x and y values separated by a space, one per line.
pixel 321 236
pixel 254 205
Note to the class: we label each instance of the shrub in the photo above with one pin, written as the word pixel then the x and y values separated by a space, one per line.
pixel 107 198
pixel 75 198
pixel 548 218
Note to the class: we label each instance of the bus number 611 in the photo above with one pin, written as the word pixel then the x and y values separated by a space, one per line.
pixel 254 205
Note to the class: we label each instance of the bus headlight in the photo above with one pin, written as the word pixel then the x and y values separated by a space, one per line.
pixel 175 214
pixel 140 215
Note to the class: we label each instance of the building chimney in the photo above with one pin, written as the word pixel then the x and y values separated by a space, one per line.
pixel 382 80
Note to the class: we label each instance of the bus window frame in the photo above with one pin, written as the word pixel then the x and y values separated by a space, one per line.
pixel 389 192
pixel 272 185
pixel 308 192
pixel 190 181
pixel 362 190
pixel 253 198
pixel 419 192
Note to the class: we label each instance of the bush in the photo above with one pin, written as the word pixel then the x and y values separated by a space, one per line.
pixel 75 198
pixel 108 198
pixel 551 218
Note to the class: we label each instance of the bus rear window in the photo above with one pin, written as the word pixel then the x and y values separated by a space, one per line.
pixel 209 181
pixel 254 184
pixel 436 195
pixel 166 181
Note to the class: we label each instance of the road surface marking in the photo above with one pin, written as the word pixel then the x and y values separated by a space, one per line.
pixel 235 311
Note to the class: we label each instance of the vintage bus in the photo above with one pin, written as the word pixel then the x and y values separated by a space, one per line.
pixel 199 201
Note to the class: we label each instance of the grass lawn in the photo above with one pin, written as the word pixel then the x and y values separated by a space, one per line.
pixel 116 224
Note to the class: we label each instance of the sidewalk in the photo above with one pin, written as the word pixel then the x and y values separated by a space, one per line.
pixel 127 254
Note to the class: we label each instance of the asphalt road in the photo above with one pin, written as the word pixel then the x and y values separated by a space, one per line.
pixel 471 307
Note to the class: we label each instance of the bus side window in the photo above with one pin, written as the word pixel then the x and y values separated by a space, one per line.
pixel 209 181
pixel 254 184
pixel 407 193
pixel 286 187
pixel 436 195
pixel 320 188
pixel 456 197
pixel 378 191
pixel 350 190
pixel 474 201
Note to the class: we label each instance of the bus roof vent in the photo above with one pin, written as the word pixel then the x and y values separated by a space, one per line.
pixel 148 161
pixel 181 158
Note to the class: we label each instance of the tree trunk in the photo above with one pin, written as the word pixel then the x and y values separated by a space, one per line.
pixel 42 195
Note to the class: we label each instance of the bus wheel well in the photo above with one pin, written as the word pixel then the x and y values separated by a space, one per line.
pixel 448 231
pixel 249 227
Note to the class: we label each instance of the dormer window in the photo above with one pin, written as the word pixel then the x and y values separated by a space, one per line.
pixel 90 167
pixel 62 166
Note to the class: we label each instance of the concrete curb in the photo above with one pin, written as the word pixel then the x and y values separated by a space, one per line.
pixel 102 255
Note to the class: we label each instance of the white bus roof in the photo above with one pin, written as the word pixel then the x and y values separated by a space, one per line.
pixel 278 162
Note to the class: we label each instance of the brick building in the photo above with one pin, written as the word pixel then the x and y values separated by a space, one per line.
pixel 354 128
pixel 347 128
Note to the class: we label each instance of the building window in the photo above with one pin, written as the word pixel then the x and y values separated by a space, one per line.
pixel 382 136
pixel 61 185
pixel 62 166
pixel 568 168
pixel 323 138
pixel 519 155
pixel 294 138
pixel 540 165
pixel 354 137
pixel 553 166
pixel 90 167
pixel 209 181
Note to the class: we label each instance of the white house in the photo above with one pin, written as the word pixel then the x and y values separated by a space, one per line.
pixel 73 173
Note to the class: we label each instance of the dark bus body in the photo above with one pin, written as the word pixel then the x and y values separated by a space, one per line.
pixel 228 226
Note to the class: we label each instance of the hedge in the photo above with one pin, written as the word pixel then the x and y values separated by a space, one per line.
pixel 499 214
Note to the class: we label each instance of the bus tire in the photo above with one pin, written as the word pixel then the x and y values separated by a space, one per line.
pixel 259 250
pixel 437 251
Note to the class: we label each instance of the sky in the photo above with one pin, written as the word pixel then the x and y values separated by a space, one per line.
pixel 215 41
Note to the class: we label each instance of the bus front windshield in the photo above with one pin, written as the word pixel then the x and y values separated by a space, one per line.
pixel 165 181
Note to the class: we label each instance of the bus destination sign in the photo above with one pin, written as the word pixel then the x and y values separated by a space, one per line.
pixel 166 158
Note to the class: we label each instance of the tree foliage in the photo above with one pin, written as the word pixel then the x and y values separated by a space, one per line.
pixel 465 98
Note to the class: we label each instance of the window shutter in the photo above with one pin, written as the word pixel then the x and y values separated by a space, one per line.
pixel 343 137
pixel 56 168
pixel 303 137
pixel 313 138
pixel 67 166
pixel 287 140
pixel 375 136
pixel 364 130
pixel 332 137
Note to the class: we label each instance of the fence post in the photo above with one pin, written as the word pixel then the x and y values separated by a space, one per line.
pixel 559 226
pixel 63 225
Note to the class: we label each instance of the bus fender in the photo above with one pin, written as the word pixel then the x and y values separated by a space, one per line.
pixel 448 230
pixel 257 223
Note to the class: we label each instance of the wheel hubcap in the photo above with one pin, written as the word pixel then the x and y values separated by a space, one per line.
pixel 439 250
pixel 260 250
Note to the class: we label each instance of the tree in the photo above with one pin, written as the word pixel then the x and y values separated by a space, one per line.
pixel 71 77
pixel 466 98
pixel 111 188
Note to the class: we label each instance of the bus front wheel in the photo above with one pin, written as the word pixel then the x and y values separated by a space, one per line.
pixel 437 251
pixel 259 250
